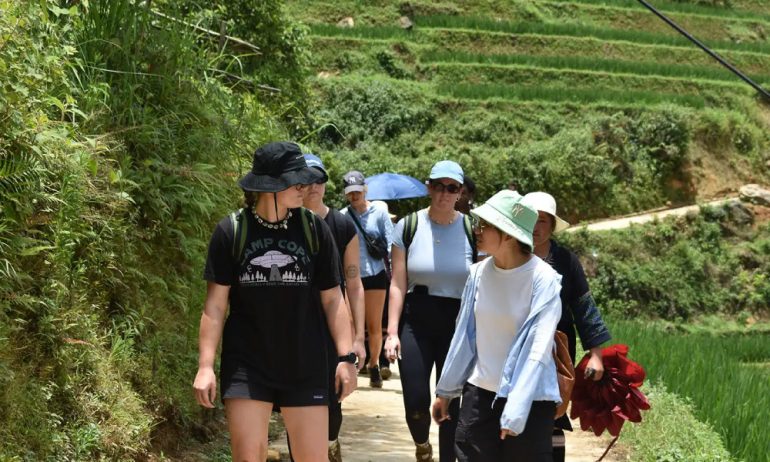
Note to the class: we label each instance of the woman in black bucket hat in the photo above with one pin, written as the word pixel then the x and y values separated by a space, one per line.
pixel 277 266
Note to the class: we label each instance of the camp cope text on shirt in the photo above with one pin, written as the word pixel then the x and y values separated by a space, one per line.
pixel 269 262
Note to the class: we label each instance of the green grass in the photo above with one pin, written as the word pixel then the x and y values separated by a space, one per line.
pixel 493 43
pixel 713 92
pixel 721 13
pixel 577 30
pixel 566 94
pixel 589 63
pixel 671 432
pixel 364 32
pixel 710 370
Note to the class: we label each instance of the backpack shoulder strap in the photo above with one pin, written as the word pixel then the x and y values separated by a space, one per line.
pixel 310 230
pixel 410 229
pixel 240 230
pixel 471 236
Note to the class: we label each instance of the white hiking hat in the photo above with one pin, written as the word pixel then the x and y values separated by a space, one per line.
pixel 544 202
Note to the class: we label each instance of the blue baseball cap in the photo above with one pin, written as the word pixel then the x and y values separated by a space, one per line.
pixel 447 169
pixel 315 161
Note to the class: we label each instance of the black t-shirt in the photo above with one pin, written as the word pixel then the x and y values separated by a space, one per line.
pixel 275 325
pixel 343 229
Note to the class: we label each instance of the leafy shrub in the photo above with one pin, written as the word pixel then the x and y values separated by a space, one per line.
pixel 716 271
pixel 117 152
pixel 356 111
pixel 729 130
pixel 283 44
pixel 391 65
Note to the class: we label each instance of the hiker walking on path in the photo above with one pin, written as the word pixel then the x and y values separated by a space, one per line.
pixel 432 253
pixel 578 306
pixel 375 236
pixel 344 233
pixel 501 358
pixel 277 265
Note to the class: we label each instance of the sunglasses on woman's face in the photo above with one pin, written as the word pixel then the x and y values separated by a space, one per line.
pixel 478 224
pixel 441 187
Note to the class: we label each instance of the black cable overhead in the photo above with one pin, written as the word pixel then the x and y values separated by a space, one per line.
pixel 703 47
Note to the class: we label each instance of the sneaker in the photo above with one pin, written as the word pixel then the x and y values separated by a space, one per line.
pixel 424 452
pixel 335 454
pixel 375 379
pixel 385 372
pixel 364 370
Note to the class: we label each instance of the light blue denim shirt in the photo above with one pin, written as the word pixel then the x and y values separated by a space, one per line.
pixel 376 222
pixel 529 372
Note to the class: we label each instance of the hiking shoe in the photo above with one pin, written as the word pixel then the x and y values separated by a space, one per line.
pixel 375 379
pixel 385 372
pixel 424 452
pixel 335 454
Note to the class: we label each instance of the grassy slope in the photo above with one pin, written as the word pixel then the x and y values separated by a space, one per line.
pixel 577 54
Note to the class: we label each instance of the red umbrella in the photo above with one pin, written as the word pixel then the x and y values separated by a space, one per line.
pixel 609 402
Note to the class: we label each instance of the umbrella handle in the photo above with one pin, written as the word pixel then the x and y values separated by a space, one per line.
pixel 612 443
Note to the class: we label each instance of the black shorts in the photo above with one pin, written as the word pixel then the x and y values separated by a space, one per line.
pixel 241 384
pixel 377 282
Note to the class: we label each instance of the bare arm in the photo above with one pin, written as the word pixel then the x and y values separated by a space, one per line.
pixel 355 293
pixel 212 322
pixel 342 333
pixel 396 303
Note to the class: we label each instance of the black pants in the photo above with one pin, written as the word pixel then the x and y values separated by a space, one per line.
pixel 428 324
pixel 478 431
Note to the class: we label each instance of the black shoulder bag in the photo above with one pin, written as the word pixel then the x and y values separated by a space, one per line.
pixel 376 246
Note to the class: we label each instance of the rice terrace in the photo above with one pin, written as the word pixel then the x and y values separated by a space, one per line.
pixel 126 124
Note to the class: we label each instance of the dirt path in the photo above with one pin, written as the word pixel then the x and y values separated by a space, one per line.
pixel 645 217
pixel 373 429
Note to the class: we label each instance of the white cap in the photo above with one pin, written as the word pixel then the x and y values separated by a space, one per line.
pixel 544 202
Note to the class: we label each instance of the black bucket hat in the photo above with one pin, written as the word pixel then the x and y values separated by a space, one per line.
pixel 278 166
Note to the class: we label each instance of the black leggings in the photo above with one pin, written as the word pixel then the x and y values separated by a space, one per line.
pixel 427 326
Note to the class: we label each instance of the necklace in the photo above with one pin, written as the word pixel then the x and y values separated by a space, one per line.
pixel 451 220
pixel 281 224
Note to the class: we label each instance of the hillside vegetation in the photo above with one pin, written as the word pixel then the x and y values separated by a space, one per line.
pixel 121 135
pixel 598 102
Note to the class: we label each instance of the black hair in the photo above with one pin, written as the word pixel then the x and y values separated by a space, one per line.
pixel 525 249
pixel 250 198
pixel 469 185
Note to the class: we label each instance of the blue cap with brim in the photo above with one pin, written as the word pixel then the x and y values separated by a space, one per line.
pixel 316 162
pixel 447 169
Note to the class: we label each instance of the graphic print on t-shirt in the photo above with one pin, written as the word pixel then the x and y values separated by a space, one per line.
pixel 270 262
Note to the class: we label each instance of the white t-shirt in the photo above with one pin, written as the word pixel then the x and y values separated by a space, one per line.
pixel 503 302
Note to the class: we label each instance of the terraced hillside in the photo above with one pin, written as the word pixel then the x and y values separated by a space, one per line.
pixel 597 101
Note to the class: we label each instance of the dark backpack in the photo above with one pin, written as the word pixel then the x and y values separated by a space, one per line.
pixel 410 229
pixel 240 231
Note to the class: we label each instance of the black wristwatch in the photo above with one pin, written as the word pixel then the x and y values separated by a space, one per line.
pixel 348 358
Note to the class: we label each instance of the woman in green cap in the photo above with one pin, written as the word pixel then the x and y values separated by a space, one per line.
pixel 500 359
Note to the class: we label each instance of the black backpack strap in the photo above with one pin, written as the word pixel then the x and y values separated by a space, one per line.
pixel 471 237
pixel 240 231
pixel 410 229
pixel 309 227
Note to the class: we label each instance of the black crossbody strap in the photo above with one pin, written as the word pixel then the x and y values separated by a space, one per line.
pixel 358 225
